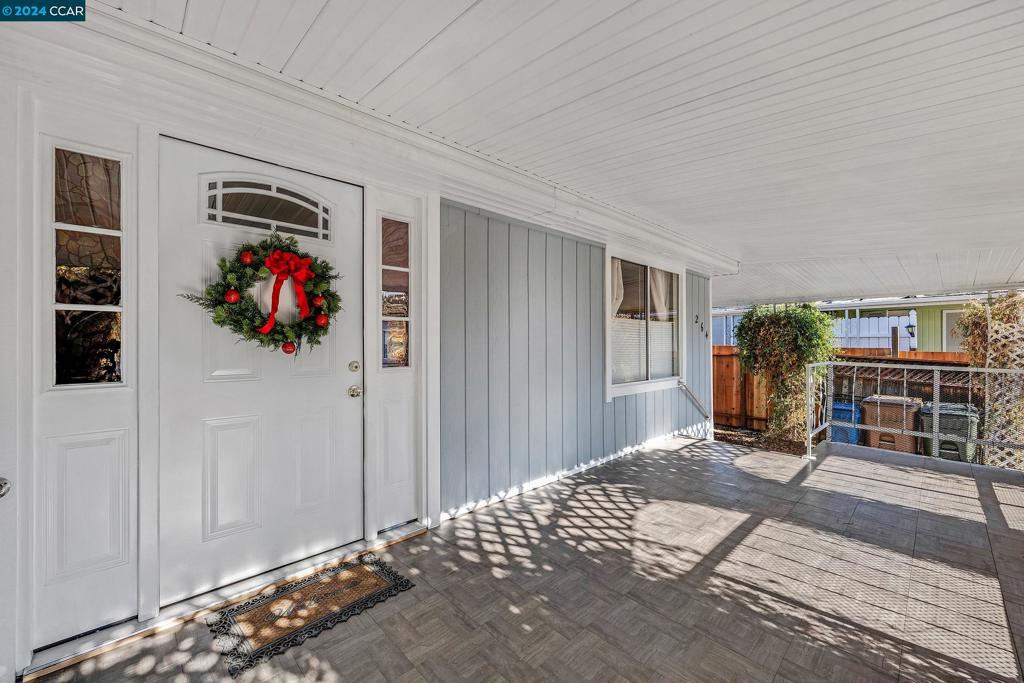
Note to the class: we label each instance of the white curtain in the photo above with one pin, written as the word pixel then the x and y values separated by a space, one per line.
pixel 664 324
pixel 662 295
pixel 628 335
pixel 618 289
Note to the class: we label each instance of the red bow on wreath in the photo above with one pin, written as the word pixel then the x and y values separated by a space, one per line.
pixel 285 264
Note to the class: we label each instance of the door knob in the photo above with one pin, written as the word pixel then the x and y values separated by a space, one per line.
pixel 355 391
pixel 5 487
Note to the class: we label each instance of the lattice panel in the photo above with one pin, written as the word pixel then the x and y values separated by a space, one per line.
pixel 1004 415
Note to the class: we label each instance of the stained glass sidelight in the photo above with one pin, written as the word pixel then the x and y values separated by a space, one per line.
pixel 87 190
pixel 88 347
pixel 88 268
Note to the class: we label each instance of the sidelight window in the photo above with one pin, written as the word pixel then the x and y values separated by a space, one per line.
pixel 644 325
pixel 394 279
pixel 87 268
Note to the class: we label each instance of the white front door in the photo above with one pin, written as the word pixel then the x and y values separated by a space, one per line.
pixel 260 452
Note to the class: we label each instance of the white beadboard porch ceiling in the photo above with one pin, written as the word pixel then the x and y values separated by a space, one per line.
pixel 836 148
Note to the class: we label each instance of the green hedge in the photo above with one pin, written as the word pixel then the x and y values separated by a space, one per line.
pixel 777 343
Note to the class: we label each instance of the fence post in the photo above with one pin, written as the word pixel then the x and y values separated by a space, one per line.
pixel 830 390
pixel 810 411
pixel 935 413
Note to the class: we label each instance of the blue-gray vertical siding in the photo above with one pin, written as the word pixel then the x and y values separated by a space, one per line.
pixel 697 328
pixel 522 359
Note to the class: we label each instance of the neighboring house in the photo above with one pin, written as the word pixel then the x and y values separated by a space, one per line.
pixel 868 323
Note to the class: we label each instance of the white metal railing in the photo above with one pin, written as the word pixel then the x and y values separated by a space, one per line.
pixel 962 413
pixel 693 397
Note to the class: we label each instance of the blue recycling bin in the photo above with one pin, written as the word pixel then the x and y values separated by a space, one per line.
pixel 844 411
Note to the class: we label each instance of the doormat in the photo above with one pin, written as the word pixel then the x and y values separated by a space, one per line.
pixel 256 630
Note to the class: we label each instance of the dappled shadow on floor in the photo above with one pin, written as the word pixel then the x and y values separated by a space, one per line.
pixel 698 561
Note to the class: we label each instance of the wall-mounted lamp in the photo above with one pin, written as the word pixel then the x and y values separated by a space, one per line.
pixel 911 329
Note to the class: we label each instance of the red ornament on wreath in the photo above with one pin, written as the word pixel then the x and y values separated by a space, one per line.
pixel 231 304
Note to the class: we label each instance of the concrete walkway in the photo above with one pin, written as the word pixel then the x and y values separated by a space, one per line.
pixel 695 562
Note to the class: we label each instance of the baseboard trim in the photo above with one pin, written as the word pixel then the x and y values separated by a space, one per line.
pixel 651 444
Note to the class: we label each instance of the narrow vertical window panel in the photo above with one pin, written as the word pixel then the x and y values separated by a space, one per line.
pixel 87 190
pixel 477 441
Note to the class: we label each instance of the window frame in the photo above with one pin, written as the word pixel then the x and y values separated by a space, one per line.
pixel 325 210
pixel 127 238
pixel 648 260
pixel 410 319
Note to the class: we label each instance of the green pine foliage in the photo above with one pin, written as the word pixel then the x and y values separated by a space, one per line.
pixel 245 318
pixel 778 344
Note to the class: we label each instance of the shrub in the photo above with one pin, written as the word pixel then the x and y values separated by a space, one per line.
pixel 973 327
pixel 777 344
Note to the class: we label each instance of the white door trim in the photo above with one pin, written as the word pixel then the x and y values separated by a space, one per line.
pixel 149 373
pixel 400 384
pixel 21 202
pixel 945 312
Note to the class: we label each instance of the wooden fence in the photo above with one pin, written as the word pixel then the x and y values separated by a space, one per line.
pixel 741 399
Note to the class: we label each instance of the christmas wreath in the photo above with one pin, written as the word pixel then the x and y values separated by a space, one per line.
pixel 231 304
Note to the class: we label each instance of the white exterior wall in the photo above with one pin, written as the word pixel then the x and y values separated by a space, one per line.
pixel 111 84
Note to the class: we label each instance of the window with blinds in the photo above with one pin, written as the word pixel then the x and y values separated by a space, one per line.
pixel 644 325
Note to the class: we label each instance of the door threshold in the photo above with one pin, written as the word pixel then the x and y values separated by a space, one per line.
pixel 75 650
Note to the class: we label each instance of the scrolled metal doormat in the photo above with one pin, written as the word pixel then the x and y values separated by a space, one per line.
pixel 254 631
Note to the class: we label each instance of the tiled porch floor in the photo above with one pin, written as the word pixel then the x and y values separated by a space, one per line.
pixel 696 562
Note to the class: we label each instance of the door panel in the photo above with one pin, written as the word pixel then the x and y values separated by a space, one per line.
pixel 260 452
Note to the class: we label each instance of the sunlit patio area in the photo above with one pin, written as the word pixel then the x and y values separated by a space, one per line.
pixel 695 561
